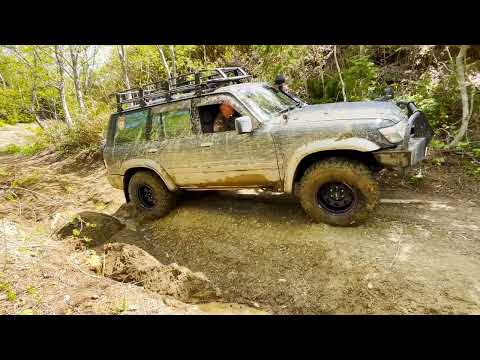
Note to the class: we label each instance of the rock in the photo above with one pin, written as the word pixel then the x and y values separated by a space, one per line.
pixel 130 264
pixel 369 285
pixel 94 297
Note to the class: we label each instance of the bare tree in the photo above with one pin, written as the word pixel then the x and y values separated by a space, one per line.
pixel 466 109
pixel 33 106
pixel 122 54
pixel 164 61
pixel 33 65
pixel 75 65
pixel 174 62
pixel 339 73
pixel 4 84
pixel 61 84
pixel 88 65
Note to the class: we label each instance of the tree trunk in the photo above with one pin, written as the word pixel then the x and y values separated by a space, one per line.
pixel 460 68
pixel 164 61
pixel 33 107
pixel 74 53
pixel 204 55
pixel 2 80
pixel 339 73
pixel 122 54
pixel 61 85
pixel 174 63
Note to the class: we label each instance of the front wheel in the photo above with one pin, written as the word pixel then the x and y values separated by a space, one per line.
pixel 339 192
pixel 151 197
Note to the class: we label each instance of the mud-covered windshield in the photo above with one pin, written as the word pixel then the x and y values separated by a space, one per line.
pixel 265 100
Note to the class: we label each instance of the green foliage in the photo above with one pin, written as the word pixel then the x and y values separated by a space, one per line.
pixel 436 144
pixel 121 308
pixel 6 288
pixel 85 135
pixel 27 180
pixel 416 180
pixel 26 312
pixel 360 78
pixel 37 145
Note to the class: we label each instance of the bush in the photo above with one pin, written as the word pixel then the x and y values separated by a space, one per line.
pixel 84 135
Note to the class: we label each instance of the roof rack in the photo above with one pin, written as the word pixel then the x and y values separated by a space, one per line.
pixel 180 87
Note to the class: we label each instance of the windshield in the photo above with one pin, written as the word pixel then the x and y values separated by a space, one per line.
pixel 266 100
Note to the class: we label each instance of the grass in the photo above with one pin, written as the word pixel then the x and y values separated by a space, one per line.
pixel 26 150
pixel 121 308
pixel 27 180
pixel 3 173
pixel 7 289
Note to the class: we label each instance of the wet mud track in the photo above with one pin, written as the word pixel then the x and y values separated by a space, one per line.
pixel 261 250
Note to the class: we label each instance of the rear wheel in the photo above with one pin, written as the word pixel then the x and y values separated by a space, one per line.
pixel 338 191
pixel 150 196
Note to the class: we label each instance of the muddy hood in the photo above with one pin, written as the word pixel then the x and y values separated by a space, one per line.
pixel 367 110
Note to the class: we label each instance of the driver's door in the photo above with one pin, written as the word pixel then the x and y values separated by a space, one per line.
pixel 231 160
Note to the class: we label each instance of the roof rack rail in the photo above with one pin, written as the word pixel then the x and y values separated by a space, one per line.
pixel 182 86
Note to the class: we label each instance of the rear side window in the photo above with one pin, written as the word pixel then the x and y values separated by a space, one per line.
pixel 131 127
pixel 171 124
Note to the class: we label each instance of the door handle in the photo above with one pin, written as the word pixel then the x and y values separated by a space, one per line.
pixel 206 144
pixel 152 150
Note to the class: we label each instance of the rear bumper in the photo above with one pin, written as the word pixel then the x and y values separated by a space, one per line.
pixel 414 147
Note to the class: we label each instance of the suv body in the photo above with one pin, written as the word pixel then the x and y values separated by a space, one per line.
pixel 276 140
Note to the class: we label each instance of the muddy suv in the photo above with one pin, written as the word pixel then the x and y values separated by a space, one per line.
pixel 325 155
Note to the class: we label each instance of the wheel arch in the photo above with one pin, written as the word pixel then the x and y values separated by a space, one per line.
pixel 354 148
pixel 132 170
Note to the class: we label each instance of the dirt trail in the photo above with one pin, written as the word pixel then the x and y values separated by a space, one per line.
pixel 16 134
pixel 261 250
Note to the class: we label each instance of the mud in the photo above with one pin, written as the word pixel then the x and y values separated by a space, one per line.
pixel 130 264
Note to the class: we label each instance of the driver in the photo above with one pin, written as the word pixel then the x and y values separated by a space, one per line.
pixel 224 121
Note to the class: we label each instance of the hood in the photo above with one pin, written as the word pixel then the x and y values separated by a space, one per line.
pixel 365 110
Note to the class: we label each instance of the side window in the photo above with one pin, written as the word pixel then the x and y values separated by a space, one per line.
pixel 131 127
pixel 208 114
pixel 171 124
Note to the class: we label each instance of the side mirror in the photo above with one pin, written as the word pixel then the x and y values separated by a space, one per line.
pixel 280 80
pixel 389 93
pixel 243 125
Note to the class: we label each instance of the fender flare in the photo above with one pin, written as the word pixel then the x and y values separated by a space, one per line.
pixel 353 143
pixel 150 165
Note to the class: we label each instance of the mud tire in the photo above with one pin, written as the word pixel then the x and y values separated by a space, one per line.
pixel 350 172
pixel 164 199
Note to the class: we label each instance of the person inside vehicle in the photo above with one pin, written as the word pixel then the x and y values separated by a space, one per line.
pixel 225 120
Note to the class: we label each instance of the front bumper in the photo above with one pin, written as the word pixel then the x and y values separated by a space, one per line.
pixel 399 157
pixel 414 147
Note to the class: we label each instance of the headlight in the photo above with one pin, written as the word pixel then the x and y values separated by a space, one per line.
pixel 395 133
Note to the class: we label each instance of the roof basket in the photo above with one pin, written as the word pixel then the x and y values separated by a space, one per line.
pixel 180 87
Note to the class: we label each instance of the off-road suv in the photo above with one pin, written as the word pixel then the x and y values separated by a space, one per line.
pixel 325 155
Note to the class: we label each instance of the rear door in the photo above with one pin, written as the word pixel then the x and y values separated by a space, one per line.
pixel 173 141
